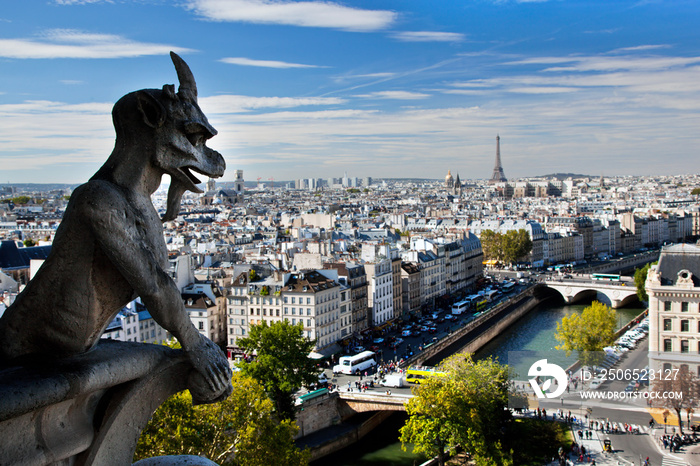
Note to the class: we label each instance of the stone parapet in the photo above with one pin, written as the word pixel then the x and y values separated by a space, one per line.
pixel 89 409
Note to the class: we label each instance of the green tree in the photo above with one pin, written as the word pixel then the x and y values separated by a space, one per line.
pixel 516 244
pixel 640 278
pixel 587 333
pixel 491 245
pixel 252 275
pixel 238 431
pixel 29 243
pixel 695 191
pixel 508 247
pixel 465 406
pixel 281 364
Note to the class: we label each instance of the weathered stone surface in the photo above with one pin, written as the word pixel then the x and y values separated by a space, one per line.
pixel 109 247
pixel 92 406
pixel 65 398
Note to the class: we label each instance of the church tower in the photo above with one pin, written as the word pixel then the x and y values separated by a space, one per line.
pixel 498 175
pixel 449 181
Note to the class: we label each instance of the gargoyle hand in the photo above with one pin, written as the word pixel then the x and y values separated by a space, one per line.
pixel 210 381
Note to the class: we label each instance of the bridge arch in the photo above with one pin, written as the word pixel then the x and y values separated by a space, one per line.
pixel 613 295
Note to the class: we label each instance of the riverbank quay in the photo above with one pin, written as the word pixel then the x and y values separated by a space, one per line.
pixel 479 331
pixel 336 437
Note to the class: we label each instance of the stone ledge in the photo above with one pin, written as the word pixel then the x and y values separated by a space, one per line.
pixel 41 383
pixel 89 409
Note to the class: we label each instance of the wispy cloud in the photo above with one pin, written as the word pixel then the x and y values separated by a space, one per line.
pixel 69 43
pixel 265 63
pixel 608 62
pixel 240 103
pixel 398 95
pixel 306 14
pixel 641 47
pixel 428 36
pixel 80 2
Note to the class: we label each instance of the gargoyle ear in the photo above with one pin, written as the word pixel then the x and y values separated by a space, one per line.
pixel 152 111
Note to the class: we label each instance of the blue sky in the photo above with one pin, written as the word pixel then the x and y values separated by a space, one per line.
pixel 381 88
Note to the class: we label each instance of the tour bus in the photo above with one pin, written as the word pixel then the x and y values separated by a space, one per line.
pixel 462 306
pixel 605 276
pixel 491 295
pixel 416 374
pixel 481 306
pixel 355 364
pixel 507 286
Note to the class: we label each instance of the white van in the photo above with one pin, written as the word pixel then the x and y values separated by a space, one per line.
pixel 392 380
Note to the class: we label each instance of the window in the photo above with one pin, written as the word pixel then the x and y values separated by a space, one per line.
pixel 684 346
pixel 684 307
pixel 667 305
pixel 293 300
pixel 308 300
pixel 201 325
pixel 685 325
pixel 668 346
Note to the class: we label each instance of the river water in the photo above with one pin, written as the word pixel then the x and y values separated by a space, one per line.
pixel 532 333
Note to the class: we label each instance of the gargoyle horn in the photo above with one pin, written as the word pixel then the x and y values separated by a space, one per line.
pixel 188 87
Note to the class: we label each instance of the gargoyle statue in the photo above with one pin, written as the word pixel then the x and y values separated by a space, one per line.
pixel 109 248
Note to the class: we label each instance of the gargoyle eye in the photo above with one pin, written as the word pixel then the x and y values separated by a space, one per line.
pixel 197 139
pixel 196 132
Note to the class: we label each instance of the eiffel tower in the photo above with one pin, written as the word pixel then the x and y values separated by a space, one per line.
pixel 498 175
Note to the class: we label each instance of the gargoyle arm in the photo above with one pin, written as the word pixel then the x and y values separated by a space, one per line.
pixel 125 238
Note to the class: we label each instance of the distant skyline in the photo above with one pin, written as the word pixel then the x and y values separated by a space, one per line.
pixel 381 88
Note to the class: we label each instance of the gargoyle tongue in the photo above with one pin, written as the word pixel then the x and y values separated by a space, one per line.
pixel 175 192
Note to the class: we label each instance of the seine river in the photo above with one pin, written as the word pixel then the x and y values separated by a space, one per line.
pixel 532 333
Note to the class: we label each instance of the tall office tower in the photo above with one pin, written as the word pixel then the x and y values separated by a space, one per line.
pixel 498 175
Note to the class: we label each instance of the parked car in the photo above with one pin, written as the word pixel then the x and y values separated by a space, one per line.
pixel 406 333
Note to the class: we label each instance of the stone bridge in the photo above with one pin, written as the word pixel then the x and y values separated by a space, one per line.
pixel 617 293
pixel 374 401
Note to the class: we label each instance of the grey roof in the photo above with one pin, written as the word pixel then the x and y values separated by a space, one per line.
pixel 12 257
pixel 679 257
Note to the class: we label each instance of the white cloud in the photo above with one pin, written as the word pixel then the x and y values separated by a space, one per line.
pixel 607 63
pixel 399 95
pixel 222 104
pixel 80 2
pixel 307 14
pixel 69 43
pixel 428 36
pixel 542 90
pixel 265 63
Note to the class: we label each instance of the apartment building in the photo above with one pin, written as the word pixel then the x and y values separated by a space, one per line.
pixel 673 286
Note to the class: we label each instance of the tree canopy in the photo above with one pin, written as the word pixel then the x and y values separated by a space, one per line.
pixel 676 380
pixel 505 247
pixel 588 332
pixel 466 405
pixel 281 363
pixel 238 431
pixel 640 278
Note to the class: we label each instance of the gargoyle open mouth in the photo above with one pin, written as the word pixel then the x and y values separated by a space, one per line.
pixel 194 181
